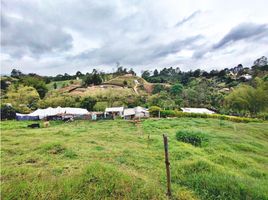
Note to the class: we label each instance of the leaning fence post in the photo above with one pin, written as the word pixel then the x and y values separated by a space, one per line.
pixel 167 165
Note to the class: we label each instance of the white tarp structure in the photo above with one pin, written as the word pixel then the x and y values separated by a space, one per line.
pixel 129 112
pixel 42 113
pixel 115 110
pixel 141 112
pixel 136 112
pixel 198 110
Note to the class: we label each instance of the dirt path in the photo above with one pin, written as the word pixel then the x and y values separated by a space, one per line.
pixel 136 86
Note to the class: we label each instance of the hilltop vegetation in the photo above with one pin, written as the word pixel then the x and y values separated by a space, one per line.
pixel 237 91
pixel 120 160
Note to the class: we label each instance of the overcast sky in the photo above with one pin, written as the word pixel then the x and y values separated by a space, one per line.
pixel 56 36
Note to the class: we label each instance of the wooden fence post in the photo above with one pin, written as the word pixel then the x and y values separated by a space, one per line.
pixel 167 165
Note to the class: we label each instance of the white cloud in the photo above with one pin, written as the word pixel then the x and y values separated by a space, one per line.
pixel 50 37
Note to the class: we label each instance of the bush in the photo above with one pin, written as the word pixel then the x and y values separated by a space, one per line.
pixel 100 106
pixel 193 137
pixel 154 111
pixel 8 112
pixel 36 82
pixel 263 116
pixel 22 98
pixel 158 88
pixel 168 113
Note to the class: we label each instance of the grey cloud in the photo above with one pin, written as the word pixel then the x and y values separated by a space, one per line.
pixel 23 37
pixel 100 33
pixel 190 17
pixel 176 46
pixel 135 54
pixel 243 31
pixel 250 32
pixel 200 52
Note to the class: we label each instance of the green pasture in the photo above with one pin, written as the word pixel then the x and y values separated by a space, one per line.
pixel 119 159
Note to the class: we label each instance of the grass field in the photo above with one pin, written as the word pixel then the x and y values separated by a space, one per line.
pixel 120 160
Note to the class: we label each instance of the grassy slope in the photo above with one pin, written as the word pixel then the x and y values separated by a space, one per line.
pixel 146 86
pixel 50 86
pixel 143 88
pixel 115 159
pixel 130 80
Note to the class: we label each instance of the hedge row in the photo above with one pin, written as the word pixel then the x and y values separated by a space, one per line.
pixel 175 113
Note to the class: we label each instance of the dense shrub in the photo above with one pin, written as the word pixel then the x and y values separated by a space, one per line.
pixel 88 103
pixel 7 112
pixel 100 106
pixel 22 98
pixel 168 113
pixel 37 82
pixel 263 116
pixel 195 138
pixel 154 111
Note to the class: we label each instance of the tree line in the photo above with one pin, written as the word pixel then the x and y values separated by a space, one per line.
pixel 237 91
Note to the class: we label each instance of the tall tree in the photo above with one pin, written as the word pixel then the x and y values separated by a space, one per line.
pixel 88 103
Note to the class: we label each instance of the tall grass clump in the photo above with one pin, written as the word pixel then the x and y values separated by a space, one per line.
pixel 58 149
pixel 196 138
pixel 53 148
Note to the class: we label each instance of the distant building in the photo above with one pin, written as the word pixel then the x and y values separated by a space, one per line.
pixel 137 112
pixel 247 76
pixel 136 82
pixel 49 112
pixel 127 113
pixel 197 110
pixel 128 75
pixel 114 111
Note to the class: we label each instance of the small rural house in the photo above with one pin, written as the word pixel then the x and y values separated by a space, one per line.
pixel 49 112
pixel 114 111
pixel 197 110
pixel 137 112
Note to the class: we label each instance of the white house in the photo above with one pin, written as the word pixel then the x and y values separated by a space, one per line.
pixel 197 110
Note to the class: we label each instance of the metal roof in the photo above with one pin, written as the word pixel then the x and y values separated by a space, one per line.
pixel 114 109
pixel 197 110
pixel 129 111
